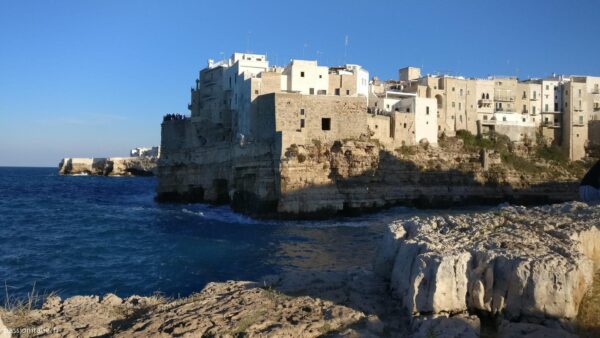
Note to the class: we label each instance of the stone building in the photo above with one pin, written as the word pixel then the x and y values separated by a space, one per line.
pixel 246 117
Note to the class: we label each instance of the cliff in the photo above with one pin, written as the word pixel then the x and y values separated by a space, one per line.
pixel 112 166
pixel 292 176
pixel 360 174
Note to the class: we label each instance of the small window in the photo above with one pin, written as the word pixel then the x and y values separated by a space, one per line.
pixel 485 117
pixel 326 123
pixel 311 91
pixel 504 118
pixel 408 110
pixel 320 76
pixel 405 125
pixel 523 119
pixel 302 111
pixel 426 110
pixel 301 123
pixel 256 92
pixel 337 92
pixel 301 74
pixel 453 104
pixel 347 92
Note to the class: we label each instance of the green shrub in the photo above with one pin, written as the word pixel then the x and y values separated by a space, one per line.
pixel 519 163
pixel 552 153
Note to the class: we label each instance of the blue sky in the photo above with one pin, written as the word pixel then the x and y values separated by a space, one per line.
pixel 94 78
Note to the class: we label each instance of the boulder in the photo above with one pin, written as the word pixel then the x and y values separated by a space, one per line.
pixel 520 262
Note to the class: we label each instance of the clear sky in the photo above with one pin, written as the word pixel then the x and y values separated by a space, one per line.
pixel 94 78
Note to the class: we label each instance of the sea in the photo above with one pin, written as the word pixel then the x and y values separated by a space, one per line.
pixel 82 235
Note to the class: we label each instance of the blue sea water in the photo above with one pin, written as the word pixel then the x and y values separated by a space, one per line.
pixel 93 235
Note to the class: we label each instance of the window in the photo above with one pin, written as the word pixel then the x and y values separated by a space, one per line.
pixel 523 119
pixel 459 105
pixel 452 88
pixel 301 111
pixel 461 92
pixel 405 125
pixel 426 110
pixel 460 118
pixel 326 123
pixel 547 87
pixel 347 92
pixel 320 76
pixel 452 104
pixel 311 91
pixel 555 106
pixel 301 123
pixel 256 92
pixel 580 119
pixel 408 110
pixel 546 107
pixel 579 93
pixel 301 74
pixel 485 117
pixel 337 92
pixel 533 110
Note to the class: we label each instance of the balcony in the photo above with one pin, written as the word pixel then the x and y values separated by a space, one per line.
pixel 504 98
pixel 484 101
pixel 490 122
pixel 551 124
pixel 535 98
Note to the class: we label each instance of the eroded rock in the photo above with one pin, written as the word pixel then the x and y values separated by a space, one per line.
pixel 220 310
pixel 521 262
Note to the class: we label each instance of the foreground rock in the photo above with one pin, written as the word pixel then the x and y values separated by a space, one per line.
pixel 220 310
pixel 112 166
pixel 4 333
pixel 527 264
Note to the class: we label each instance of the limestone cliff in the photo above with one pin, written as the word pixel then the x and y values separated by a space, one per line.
pixel 112 166
pixel 292 177
pixel 361 174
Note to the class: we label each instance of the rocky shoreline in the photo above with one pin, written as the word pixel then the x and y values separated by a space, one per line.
pixel 509 272
pixel 110 166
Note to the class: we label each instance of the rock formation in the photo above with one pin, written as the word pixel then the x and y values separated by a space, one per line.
pixel 321 179
pixel 231 309
pixel 523 263
pixel 111 166
pixel 4 332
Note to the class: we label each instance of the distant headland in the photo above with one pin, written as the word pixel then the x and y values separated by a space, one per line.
pixel 141 162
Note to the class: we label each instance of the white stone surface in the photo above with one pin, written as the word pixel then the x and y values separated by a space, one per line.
pixel 521 262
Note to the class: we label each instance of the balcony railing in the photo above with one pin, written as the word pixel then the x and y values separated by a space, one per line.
pixel 485 101
pixel 504 98
pixel 551 124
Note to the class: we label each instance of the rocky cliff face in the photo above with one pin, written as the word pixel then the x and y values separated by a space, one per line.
pixel 525 264
pixel 112 166
pixel 352 175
